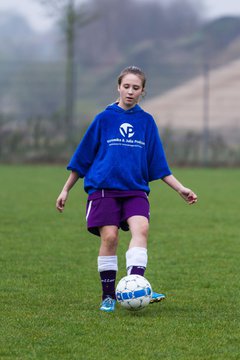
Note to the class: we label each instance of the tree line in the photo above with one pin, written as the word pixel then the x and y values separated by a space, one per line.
pixel 119 25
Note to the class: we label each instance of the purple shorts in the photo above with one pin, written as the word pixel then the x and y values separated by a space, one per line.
pixel 114 208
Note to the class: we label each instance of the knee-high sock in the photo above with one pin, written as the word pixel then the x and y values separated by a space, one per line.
pixel 136 260
pixel 107 267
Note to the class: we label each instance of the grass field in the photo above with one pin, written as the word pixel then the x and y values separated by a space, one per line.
pixel 50 291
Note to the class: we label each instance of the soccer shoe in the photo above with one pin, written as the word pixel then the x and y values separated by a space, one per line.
pixel 157 297
pixel 108 304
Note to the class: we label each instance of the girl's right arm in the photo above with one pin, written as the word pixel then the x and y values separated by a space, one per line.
pixel 62 198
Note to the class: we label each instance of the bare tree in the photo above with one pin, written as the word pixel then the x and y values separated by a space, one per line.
pixel 70 16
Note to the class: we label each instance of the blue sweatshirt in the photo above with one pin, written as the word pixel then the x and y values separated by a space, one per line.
pixel 121 150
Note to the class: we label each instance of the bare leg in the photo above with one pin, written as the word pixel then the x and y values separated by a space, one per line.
pixel 109 240
pixel 138 226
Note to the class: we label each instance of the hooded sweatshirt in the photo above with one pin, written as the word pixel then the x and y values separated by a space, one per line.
pixel 121 150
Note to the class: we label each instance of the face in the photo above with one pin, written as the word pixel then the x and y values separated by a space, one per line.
pixel 130 90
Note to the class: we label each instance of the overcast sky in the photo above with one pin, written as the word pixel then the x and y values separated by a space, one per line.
pixel 39 19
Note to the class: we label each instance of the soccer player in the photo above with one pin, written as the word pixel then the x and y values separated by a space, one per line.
pixel 118 156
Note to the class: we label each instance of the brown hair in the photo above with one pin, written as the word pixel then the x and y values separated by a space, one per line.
pixel 132 70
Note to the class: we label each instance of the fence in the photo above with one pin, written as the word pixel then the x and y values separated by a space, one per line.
pixel 198 110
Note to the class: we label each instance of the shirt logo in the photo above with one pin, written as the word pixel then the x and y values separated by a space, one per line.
pixel 126 130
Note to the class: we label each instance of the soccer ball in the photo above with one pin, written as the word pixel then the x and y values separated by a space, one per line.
pixel 133 292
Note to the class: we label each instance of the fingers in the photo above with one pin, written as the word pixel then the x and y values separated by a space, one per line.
pixel 192 198
pixel 188 195
pixel 60 205
pixel 61 200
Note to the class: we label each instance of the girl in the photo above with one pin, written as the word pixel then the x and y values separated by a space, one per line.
pixel 119 155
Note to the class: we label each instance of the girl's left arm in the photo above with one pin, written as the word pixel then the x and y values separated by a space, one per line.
pixel 187 194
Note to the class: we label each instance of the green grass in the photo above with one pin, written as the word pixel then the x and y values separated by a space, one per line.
pixel 50 291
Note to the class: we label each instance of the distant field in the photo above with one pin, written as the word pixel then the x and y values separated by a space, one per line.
pixel 50 292
pixel 183 107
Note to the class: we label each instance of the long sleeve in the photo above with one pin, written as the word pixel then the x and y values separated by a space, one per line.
pixel 157 162
pixel 86 151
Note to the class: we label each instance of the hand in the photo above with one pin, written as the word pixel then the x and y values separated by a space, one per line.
pixel 61 200
pixel 188 195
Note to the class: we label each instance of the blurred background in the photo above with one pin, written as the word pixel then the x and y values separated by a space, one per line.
pixel 59 62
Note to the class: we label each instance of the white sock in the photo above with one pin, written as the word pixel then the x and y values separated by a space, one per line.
pixel 136 256
pixel 106 263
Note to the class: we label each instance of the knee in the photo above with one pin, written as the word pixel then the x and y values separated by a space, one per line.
pixel 139 231
pixel 143 229
pixel 138 226
pixel 109 239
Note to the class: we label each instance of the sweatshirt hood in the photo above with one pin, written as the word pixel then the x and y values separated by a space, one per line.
pixel 114 107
